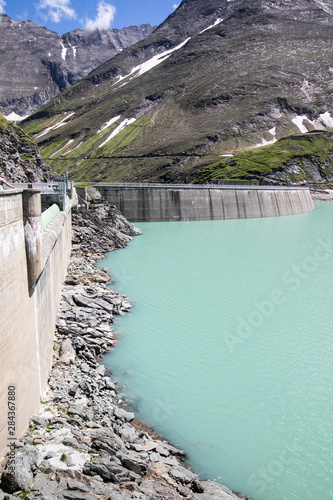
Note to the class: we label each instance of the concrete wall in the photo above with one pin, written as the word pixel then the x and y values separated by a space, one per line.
pixel 167 203
pixel 28 310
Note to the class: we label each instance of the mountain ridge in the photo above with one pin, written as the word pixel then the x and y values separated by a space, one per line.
pixel 236 75
pixel 36 63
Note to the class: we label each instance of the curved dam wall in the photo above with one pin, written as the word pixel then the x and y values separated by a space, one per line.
pixel 156 203
pixel 32 270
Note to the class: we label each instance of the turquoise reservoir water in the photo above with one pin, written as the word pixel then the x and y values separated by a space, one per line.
pixel 228 348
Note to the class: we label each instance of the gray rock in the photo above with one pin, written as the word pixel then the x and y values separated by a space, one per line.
pixel 216 491
pixel 134 464
pixel 157 490
pixel 110 442
pixel 73 484
pixel 129 433
pixel 123 414
pixel 49 490
pixel 106 383
pixel 182 475
pixel 78 495
pixel 174 451
pixel 85 368
pixel 7 496
pixel 101 370
pixel 73 390
pixel 154 457
pixel 183 490
pixel 85 413
pixel 19 472
pixel 66 352
pixel 100 468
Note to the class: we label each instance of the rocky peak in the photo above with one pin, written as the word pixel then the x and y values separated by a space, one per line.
pixel 36 63
pixel 300 9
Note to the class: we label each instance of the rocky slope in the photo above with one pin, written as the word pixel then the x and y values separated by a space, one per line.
pixel 215 78
pixel 36 64
pixel 20 159
pixel 296 159
pixel 84 443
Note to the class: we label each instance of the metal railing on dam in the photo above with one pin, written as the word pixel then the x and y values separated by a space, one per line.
pixel 149 185
pixel 149 202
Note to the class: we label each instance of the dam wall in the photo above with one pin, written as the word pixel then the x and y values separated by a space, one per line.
pixel 33 266
pixel 161 202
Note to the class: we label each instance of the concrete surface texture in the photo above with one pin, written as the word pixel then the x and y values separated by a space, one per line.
pixel 162 203
pixel 28 309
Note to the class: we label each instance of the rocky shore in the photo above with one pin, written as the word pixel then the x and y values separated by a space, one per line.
pixel 322 194
pixel 84 443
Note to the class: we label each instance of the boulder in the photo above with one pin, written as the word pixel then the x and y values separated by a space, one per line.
pixel 66 352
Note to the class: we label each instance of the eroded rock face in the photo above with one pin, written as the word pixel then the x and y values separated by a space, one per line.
pixel 36 63
pixel 20 159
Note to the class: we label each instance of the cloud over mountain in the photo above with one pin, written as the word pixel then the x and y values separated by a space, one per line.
pixel 56 10
pixel 104 17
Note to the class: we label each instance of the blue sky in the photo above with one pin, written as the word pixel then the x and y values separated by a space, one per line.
pixel 66 15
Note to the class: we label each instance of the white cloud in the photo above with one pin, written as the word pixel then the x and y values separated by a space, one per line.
pixel 2 6
pixel 175 5
pixel 104 17
pixel 56 10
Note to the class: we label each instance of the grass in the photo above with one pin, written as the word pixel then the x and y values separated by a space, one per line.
pixel 3 122
pixel 26 159
pixel 315 147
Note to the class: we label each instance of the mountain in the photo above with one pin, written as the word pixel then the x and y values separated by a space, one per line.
pixel 36 64
pixel 216 78
pixel 20 159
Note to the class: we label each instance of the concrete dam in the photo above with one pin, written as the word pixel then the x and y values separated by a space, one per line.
pixel 35 251
pixel 170 202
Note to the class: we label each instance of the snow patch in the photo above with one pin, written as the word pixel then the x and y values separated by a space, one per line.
pixel 57 125
pixel 218 21
pixel 65 146
pixel 107 124
pixel 118 129
pixel 14 117
pixel 226 155
pixel 298 120
pixel 74 51
pixel 151 63
pixel 327 119
pixel 264 142
pixel 324 5
pixel 324 122
pixel 63 51
pixel 73 149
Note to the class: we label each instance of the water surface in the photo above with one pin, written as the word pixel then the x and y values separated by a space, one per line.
pixel 228 349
